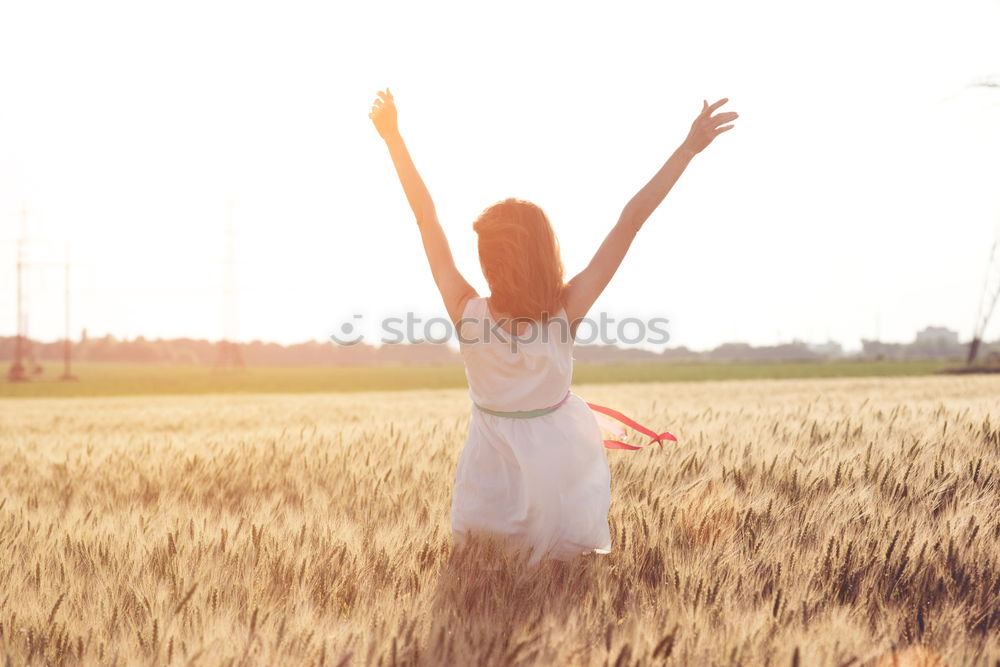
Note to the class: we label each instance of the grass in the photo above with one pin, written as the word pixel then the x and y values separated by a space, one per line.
pixel 849 521
pixel 108 379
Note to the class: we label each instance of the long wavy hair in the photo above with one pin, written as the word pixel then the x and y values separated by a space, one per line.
pixel 519 255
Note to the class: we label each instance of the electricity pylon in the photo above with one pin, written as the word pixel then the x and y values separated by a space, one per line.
pixel 229 357
pixel 17 373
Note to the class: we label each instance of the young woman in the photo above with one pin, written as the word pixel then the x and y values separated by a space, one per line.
pixel 533 470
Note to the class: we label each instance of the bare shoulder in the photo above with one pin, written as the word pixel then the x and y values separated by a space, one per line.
pixel 465 302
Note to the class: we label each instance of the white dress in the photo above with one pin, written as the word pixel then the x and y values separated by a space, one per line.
pixel 542 481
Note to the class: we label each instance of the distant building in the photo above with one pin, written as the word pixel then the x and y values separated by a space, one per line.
pixel 793 351
pixel 830 349
pixel 875 349
pixel 939 336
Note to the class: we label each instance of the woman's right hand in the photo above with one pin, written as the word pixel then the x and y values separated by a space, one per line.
pixel 383 114
pixel 706 127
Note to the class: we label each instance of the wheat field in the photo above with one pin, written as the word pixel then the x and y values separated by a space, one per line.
pixel 797 522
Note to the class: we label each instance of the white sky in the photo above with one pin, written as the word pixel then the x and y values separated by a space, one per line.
pixel 858 190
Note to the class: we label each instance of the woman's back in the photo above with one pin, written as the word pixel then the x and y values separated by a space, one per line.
pixel 533 467
pixel 530 371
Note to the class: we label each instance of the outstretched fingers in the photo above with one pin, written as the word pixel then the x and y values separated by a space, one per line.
pixel 378 105
pixel 382 101
pixel 383 113
pixel 707 109
pixel 706 126
pixel 723 118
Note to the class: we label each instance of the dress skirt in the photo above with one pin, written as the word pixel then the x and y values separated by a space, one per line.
pixel 541 483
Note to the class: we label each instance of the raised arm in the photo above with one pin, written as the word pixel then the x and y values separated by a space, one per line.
pixel 582 291
pixel 455 291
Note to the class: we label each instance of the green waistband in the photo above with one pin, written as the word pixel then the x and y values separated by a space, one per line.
pixel 523 414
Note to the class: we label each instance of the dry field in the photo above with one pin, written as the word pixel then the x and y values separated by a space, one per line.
pixel 809 522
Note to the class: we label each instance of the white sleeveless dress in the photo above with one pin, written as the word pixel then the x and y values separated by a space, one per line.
pixel 542 481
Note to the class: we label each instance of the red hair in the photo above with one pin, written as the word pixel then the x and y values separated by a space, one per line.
pixel 519 254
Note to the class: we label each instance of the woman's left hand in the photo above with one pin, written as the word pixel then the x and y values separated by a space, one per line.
pixel 706 127
pixel 383 114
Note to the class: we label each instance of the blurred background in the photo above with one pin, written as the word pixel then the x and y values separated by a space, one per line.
pixel 211 172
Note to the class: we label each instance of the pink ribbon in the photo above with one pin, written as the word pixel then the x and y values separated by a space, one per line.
pixel 658 438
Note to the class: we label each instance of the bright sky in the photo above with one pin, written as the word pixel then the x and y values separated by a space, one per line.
pixel 857 195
